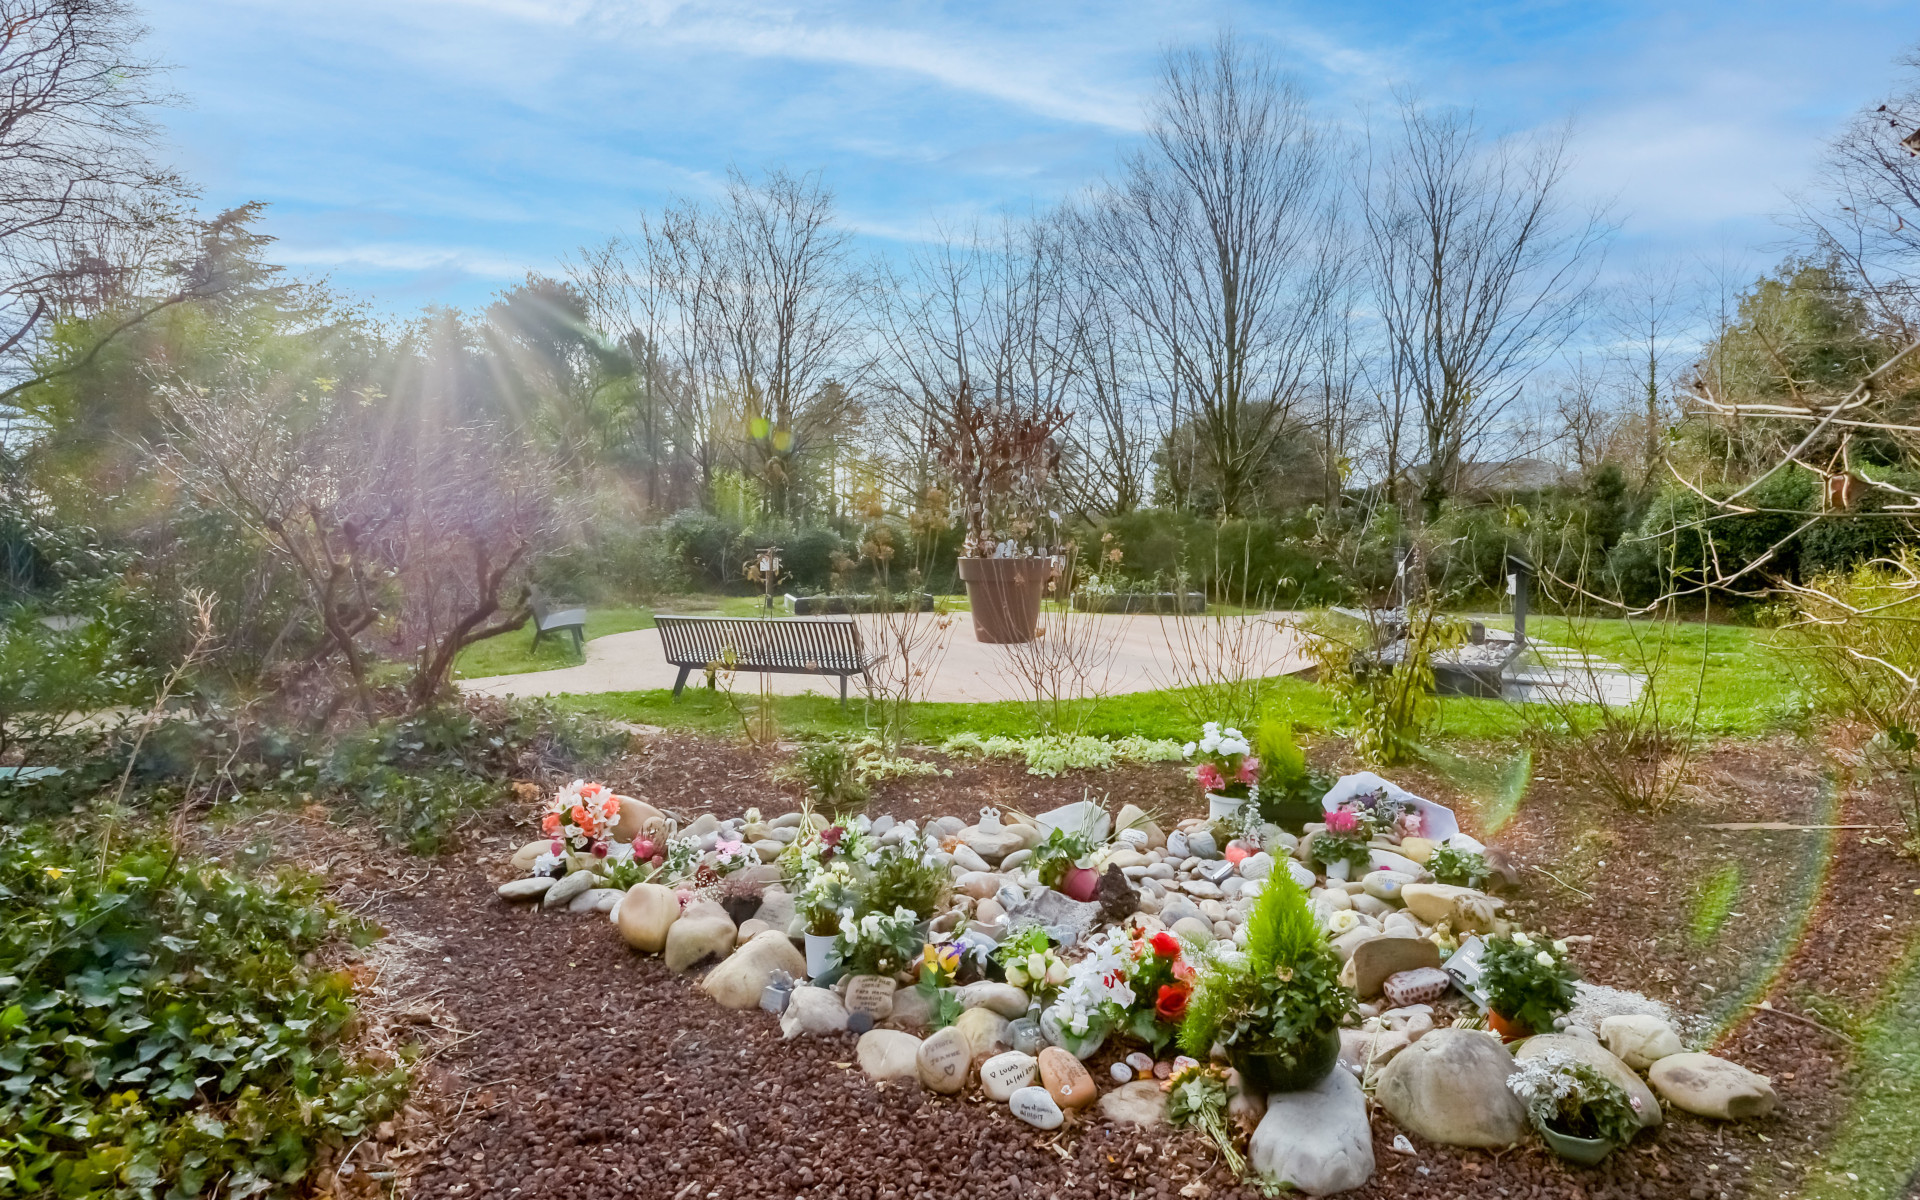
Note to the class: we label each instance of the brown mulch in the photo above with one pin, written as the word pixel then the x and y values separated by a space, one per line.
pixel 584 1070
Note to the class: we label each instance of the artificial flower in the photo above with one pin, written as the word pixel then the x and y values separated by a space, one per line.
pixel 1342 822
pixel 1171 1004
pixel 1342 920
pixel 1520 938
pixel 1249 770
pixel 1166 945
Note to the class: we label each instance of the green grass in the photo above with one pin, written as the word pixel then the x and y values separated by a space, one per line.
pixel 1147 714
pixel 1874 1154
pixel 512 653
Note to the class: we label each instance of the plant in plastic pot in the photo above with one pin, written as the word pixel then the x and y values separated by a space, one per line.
pixel 999 454
pixel 1288 791
pixel 1528 981
pixel 1579 1112
pixel 1277 1009
pixel 1224 767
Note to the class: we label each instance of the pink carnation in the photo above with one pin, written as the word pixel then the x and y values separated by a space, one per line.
pixel 1249 770
pixel 1208 775
pixel 1342 822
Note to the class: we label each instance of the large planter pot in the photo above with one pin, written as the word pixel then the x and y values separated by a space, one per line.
pixel 1292 815
pixel 1223 808
pixel 1264 1074
pixel 1005 595
pixel 820 956
pixel 1509 1029
pixel 1585 1151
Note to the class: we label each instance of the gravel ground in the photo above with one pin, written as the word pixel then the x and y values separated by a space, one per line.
pixel 583 1070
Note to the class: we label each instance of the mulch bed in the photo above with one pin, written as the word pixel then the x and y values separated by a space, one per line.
pixel 582 1070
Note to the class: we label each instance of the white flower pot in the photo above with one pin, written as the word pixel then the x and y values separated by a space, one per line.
pixel 1221 808
pixel 819 954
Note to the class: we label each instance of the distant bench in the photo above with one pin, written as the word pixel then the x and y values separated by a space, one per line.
pixel 784 645
pixel 549 619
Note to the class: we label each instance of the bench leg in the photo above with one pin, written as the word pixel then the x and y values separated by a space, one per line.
pixel 537 633
pixel 579 642
pixel 680 682
pixel 843 693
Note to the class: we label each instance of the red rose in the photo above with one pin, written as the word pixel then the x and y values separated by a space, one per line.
pixel 1171 1004
pixel 1166 945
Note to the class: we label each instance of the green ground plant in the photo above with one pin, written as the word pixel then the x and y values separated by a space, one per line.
pixel 164 1033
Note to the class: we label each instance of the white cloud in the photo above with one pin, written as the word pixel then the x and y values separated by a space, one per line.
pixel 405 256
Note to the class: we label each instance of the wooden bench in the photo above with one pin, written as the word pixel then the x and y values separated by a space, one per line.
pixel 784 645
pixel 548 619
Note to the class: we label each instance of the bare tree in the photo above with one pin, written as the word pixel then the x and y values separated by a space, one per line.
pixel 1216 240
pixel 1647 312
pixel 1478 274
pixel 76 176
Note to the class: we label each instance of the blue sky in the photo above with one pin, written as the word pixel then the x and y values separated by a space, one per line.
pixel 433 151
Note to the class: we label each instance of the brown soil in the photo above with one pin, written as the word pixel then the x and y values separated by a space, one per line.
pixel 578 1069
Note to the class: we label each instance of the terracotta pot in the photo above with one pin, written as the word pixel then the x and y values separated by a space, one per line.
pixel 1509 1029
pixel 1080 883
pixel 1005 595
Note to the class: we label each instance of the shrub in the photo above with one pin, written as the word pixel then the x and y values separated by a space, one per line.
pixel 164 1034
pixel 1277 997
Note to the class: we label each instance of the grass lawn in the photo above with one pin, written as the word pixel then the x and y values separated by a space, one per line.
pixel 512 653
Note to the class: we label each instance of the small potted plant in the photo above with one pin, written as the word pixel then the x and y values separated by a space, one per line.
pixel 1288 792
pixel 1278 1008
pixel 1226 769
pixel 1528 981
pixel 1341 848
pixel 1462 868
pixel 1063 862
pixel 1580 1113
pixel 1161 979
pixel 825 903
pixel 880 943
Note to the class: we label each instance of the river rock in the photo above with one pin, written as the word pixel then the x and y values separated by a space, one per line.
pixel 967 859
pixel 872 995
pixel 1386 885
pixel 1003 998
pixel 1004 1074
pixel 1598 1057
pixel 992 843
pixel 1132 816
pixel 703 931
pixel 1417 849
pixel 912 1008
pixel 944 1059
pixel 1202 844
pixel 985 1030
pixel 1375 960
pixel 1639 1039
pixel 813 1011
pixel 524 858
pixel 738 982
pixel 1451 1087
pixel 1069 1083
pixel 1707 1086
pixel 1360 1048
pixel 1034 1106
pixel 889 1054
pixel 1388 860
pixel 1081 815
pixel 647 912
pixel 637 817
pixel 1065 919
pixel 776 908
pixel 531 888
pixel 1316 1140
pixel 594 900
pixel 1433 902
pixel 978 884
pixel 1139 1103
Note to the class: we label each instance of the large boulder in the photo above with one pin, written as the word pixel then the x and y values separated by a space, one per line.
pixel 1451 1087
pixel 1712 1087
pixel 738 982
pixel 993 842
pixel 889 1054
pixel 1639 1039
pixel 647 912
pixel 1317 1140
pixel 1581 1049
pixel 703 931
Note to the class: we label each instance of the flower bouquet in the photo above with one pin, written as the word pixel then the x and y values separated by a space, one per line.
pixel 1581 1113
pixel 1226 770
pixel 1162 983
pixel 1528 981
pixel 1382 815
pixel 1028 961
pixel 580 819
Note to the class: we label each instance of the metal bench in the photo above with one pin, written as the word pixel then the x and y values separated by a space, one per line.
pixel 548 619
pixel 784 645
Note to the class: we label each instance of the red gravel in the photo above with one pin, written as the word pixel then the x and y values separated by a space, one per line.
pixel 594 1072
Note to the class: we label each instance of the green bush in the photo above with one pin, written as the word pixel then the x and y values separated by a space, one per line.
pixel 163 1033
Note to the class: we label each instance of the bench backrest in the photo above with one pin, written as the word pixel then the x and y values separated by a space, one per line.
pixel 789 643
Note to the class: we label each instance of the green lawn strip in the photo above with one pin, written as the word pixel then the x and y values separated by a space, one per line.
pixel 1146 714
pixel 512 653
pixel 1876 1155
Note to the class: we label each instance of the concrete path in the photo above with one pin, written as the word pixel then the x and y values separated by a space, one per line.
pixel 1088 654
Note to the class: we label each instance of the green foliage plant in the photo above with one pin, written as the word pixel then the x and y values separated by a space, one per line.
pixel 1278 996
pixel 1328 848
pixel 1387 708
pixel 903 876
pixel 1568 1096
pixel 1062 848
pixel 1460 868
pixel 1528 979
pixel 162 1033
pixel 827 770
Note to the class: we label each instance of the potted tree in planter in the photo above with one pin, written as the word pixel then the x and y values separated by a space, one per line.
pixel 1000 455
pixel 1277 1010
pixel 1528 981
pixel 1288 791
pixel 1582 1115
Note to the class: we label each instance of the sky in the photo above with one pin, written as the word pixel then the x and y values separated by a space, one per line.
pixel 432 152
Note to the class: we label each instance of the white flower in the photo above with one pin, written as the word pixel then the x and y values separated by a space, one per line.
pixel 1187 750
pixel 1561 947
pixel 1544 959
pixel 1211 727
pixel 545 864
pixel 1521 939
pixel 1343 920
